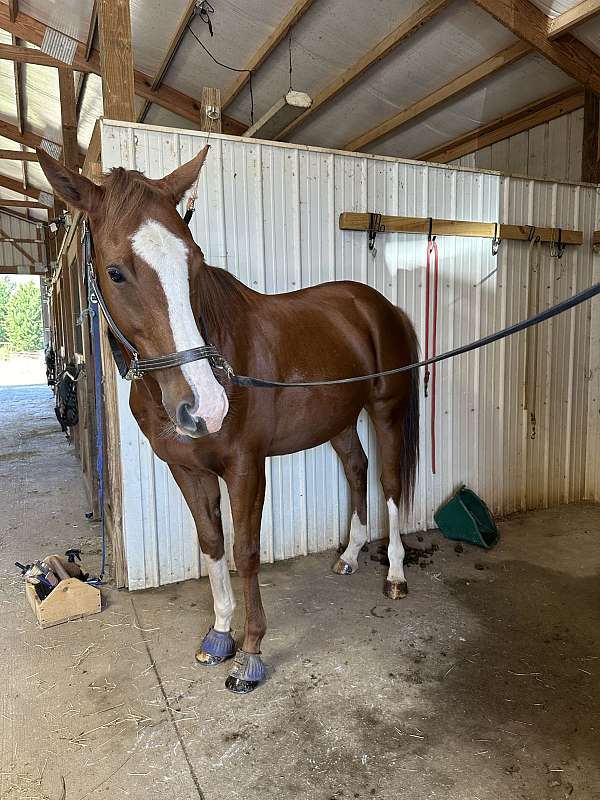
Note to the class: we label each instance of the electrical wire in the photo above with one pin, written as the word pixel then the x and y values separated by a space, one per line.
pixel 226 66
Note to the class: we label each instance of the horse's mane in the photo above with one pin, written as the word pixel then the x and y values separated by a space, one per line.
pixel 126 191
pixel 222 299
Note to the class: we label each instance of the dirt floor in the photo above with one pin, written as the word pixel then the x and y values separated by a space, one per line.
pixel 484 683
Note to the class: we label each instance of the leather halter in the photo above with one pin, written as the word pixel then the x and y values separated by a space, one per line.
pixel 138 367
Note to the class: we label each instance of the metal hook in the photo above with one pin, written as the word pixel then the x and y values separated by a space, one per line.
pixel 375 227
pixel 430 237
pixel 495 241
pixel 558 247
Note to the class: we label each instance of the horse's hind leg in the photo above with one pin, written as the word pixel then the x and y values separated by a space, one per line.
pixel 389 420
pixel 348 447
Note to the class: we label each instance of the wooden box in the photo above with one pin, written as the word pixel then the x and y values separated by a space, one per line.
pixel 71 599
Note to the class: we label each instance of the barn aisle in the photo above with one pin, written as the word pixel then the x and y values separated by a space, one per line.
pixel 485 676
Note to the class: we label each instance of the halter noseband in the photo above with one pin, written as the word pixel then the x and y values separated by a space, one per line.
pixel 138 367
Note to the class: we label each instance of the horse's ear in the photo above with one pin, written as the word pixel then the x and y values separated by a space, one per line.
pixel 75 189
pixel 181 179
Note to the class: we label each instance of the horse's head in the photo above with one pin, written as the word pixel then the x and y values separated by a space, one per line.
pixel 147 267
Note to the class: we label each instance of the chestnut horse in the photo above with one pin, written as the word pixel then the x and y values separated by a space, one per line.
pixel 157 287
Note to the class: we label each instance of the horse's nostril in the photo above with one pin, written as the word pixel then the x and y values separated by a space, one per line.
pixel 184 417
pixel 187 422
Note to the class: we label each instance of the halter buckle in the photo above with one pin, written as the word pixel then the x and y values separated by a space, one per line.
pixel 134 373
pixel 220 362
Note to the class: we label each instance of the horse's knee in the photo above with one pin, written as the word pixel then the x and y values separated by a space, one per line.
pixel 247 560
pixel 212 544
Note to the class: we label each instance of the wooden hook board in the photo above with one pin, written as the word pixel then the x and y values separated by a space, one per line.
pixel 351 221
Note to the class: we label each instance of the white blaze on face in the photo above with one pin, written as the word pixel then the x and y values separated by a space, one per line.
pixel 167 255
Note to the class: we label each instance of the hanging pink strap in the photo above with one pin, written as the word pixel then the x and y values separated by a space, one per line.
pixel 431 327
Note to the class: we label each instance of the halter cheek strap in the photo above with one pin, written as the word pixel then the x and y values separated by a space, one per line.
pixel 138 367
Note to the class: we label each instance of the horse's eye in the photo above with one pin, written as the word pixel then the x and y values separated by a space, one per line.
pixel 115 274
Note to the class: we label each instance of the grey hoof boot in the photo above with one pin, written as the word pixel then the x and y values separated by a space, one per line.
pixel 247 673
pixel 216 647
pixel 396 590
pixel 342 567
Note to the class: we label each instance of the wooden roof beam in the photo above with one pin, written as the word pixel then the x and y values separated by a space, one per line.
pixel 32 30
pixel 170 53
pixel 531 25
pixel 492 65
pixel 377 53
pixel 17 155
pixel 296 12
pixel 13 9
pixel 19 99
pixel 18 269
pixel 549 108
pixel 16 186
pixel 21 204
pixel 89 42
pixel 573 17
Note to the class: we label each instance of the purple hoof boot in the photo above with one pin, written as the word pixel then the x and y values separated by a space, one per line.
pixel 216 647
pixel 247 673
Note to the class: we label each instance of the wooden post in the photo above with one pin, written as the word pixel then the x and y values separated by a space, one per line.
pixel 116 59
pixel 590 157
pixel 68 115
pixel 210 110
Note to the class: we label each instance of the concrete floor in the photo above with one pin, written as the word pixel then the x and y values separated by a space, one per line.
pixel 483 684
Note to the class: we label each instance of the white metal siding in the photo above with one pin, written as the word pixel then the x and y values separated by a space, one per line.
pixel 269 213
pixel 551 150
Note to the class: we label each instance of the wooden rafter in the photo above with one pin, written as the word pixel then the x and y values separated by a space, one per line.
pixel 5 237
pixel 13 9
pixel 17 269
pixel 573 17
pixel 89 42
pixel 21 204
pixel 15 186
pixel 68 117
pixel 29 55
pixel 169 55
pixel 10 131
pixel 17 155
pixel 377 53
pixel 32 30
pixel 590 156
pixel 529 116
pixel 19 102
pixel 116 59
pixel 531 25
pixel 451 89
pixel 296 12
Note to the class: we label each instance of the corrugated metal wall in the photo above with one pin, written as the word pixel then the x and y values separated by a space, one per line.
pixel 269 213
pixel 551 150
pixel 15 228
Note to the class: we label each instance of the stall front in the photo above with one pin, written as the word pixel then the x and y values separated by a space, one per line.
pixel 516 421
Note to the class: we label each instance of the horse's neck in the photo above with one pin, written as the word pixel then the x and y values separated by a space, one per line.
pixel 225 304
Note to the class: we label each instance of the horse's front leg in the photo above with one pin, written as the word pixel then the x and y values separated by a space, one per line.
pixel 246 486
pixel 203 496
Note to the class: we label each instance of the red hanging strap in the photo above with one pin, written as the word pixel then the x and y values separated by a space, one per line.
pixel 432 247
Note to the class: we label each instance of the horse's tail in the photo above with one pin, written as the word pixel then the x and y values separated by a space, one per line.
pixel 409 454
